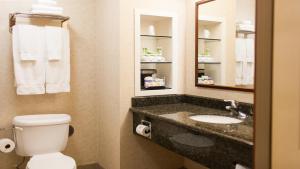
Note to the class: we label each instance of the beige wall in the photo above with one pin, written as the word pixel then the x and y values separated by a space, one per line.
pixel 80 103
pixel 190 62
pixel 137 153
pixel 108 83
pixel 286 95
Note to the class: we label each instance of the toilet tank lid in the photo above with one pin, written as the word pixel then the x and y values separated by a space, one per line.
pixel 41 120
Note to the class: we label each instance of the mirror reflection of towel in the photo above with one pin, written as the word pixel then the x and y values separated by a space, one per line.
pixel 250 48
pixel 240 49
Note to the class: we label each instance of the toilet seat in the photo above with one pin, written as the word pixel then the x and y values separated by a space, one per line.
pixel 51 161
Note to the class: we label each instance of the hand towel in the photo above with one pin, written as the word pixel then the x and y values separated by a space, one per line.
pixel 54 43
pixel 58 72
pixel 29 75
pixel 25 37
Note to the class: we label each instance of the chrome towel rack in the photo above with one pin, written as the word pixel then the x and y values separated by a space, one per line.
pixel 13 18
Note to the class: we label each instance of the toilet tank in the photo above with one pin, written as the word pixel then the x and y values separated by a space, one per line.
pixel 41 134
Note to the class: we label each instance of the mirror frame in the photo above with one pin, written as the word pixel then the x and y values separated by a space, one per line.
pixel 196 55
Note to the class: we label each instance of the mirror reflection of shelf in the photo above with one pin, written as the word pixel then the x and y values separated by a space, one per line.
pixel 248 61
pixel 156 36
pixel 156 62
pixel 210 39
pixel 155 88
pixel 246 32
pixel 209 62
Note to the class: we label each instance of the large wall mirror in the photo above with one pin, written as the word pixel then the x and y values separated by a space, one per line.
pixel 225 44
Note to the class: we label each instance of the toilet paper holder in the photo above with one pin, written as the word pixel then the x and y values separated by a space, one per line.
pixel 147 123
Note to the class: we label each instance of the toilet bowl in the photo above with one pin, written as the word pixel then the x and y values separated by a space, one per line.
pixel 51 161
pixel 43 137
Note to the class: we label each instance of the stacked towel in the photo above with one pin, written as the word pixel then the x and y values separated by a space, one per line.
pixel 29 72
pixel 46 65
pixel 245 26
pixel 47 2
pixel 47 7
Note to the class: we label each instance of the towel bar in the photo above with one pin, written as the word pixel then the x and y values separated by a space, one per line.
pixel 13 16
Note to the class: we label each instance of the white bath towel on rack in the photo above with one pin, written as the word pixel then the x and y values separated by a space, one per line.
pixel 58 71
pixel 29 74
pixel 45 9
pixel 27 40
pixel 54 42
pixel 47 2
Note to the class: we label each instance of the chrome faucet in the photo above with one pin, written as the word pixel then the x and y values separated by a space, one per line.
pixel 235 110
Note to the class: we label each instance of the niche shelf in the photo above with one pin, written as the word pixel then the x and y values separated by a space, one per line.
pixel 156 40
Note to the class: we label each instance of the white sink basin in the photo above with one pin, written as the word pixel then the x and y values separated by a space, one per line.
pixel 215 119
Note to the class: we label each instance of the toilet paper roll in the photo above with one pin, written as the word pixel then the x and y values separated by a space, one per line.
pixel 143 130
pixel 7 145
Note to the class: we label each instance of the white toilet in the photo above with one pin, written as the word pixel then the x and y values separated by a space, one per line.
pixel 43 137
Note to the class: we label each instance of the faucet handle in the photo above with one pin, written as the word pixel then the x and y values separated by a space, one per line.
pixel 233 104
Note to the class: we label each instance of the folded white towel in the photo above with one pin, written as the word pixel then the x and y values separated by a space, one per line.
pixel 46 8
pixel 25 37
pixel 46 12
pixel 54 42
pixel 245 27
pixel 47 2
pixel 29 75
pixel 58 72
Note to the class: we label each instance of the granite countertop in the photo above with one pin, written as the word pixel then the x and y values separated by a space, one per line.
pixel 179 114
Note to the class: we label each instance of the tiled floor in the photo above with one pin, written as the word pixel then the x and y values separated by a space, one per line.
pixel 91 166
